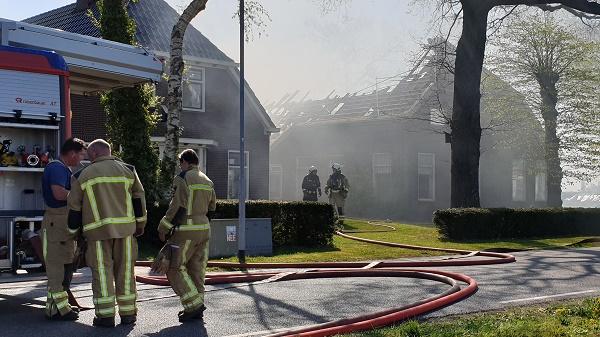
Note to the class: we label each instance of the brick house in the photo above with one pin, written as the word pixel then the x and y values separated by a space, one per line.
pixel 210 118
pixel 392 144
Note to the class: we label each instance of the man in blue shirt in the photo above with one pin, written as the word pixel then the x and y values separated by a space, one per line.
pixel 58 243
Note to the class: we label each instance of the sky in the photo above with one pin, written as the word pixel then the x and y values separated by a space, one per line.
pixel 302 47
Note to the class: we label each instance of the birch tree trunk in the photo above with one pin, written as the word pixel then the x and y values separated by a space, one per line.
pixel 174 97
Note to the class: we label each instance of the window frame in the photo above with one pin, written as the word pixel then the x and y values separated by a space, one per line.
pixel 186 80
pixel 419 155
pixel 280 167
pixel 516 198
pixel 541 171
pixel 229 167
pixel 374 165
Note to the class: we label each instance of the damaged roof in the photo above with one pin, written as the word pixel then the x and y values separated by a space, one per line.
pixel 390 101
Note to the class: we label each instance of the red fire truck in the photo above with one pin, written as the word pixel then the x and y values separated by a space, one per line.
pixel 39 69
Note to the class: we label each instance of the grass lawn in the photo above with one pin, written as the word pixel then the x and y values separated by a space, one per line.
pixel 423 235
pixel 580 318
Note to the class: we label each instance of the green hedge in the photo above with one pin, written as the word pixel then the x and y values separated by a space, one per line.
pixel 294 223
pixel 498 223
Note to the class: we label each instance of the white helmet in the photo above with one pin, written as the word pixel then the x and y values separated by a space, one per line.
pixel 336 166
pixel 312 169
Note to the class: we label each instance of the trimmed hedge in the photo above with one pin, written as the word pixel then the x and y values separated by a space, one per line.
pixel 294 223
pixel 499 223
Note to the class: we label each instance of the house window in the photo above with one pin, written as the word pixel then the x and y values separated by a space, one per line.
pixel 233 173
pixel 541 193
pixel 519 190
pixel 200 151
pixel 426 176
pixel 194 90
pixel 275 182
pixel 382 170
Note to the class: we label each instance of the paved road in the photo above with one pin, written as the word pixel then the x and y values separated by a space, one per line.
pixel 253 310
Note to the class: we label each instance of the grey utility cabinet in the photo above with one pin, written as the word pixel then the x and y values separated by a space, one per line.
pixel 224 237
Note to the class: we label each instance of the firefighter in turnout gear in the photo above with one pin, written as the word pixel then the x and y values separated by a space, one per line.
pixel 58 245
pixel 311 185
pixel 186 225
pixel 108 205
pixel 337 188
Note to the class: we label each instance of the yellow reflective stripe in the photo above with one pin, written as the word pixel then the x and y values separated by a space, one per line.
pixel 101 270
pixel 106 180
pixel 122 220
pixel 127 308
pixel 166 223
pixel 62 304
pixel 189 295
pixel 123 298
pixel 190 201
pixel 128 199
pixel 200 187
pixel 191 189
pixel 186 246
pixel 45 247
pixel 183 269
pixel 128 269
pixel 104 300
pixel 87 186
pixel 190 227
pixel 93 204
pixel 73 231
pixel 144 218
pixel 194 304
pixel 105 311
pixel 58 295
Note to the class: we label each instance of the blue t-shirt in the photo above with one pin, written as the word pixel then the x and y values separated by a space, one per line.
pixel 56 173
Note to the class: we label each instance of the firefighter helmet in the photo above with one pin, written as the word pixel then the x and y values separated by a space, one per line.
pixel 336 167
pixel 312 169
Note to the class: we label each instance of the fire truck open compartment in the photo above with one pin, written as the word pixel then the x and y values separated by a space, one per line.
pixel 39 69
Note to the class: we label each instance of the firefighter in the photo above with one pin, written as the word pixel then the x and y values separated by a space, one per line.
pixel 337 188
pixel 311 185
pixel 186 225
pixel 58 245
pixel 107 204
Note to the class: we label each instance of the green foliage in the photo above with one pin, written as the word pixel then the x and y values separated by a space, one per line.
pixel 130 124
pixel 496 223
pixel 549 321
pixel 541 56
pixel 115 23
pixel 130 120
pixel 304 224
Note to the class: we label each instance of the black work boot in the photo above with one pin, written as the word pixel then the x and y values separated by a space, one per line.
pixel 70 316
pixel 106 322
pixel 198 313
pixel 128 319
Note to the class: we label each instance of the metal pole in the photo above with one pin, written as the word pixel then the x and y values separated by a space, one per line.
pixel 242 188
pixel 377 93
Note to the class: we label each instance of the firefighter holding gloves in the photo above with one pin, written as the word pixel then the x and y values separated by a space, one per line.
pixel 107 204
pixel 186 227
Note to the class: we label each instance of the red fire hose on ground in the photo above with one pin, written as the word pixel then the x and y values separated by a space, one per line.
pixel 302 271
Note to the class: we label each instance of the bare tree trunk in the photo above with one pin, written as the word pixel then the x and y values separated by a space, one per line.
pixel 466 128
pixel 549 96
pixel 174 97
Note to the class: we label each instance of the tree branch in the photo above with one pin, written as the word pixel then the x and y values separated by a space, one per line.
pixel 584 6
